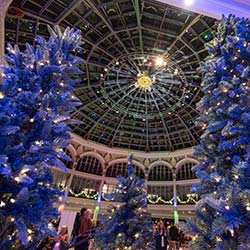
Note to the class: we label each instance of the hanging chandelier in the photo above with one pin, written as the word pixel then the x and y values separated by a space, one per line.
pixel 144 81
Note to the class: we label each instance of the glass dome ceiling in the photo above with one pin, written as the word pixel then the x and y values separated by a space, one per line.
pixel 141 84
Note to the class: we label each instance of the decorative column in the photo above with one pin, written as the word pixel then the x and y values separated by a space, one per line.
pixel 99 199
pixel 146 182
pixel 97 207
pixel 4 4
pixel 176 217
pixel 69 182
pixel 146 164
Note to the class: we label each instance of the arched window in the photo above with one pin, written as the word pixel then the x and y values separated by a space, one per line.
pixel 89 164
pixel 68 164
pixel 80 184
pixel 185 194
pixel 60 178
pixel 108 188
pixel 165 192
pixel 121 169
pixel 160 173
pixel 185 171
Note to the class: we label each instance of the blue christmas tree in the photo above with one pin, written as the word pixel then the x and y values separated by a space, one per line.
pixel 130 225
pixel 223 213
pixel 35 101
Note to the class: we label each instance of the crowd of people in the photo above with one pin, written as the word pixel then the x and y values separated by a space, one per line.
pixel 83 230
pixel 173 234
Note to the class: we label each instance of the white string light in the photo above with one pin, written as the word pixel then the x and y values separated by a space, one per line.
pixel 159 61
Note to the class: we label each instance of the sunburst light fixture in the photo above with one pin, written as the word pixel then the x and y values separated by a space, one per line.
pixel 144 81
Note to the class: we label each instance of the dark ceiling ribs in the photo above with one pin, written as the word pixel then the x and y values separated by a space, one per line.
pixel 121 40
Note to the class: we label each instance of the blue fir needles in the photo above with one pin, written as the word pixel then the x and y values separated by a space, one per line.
pixel 223 213
pixel 35 101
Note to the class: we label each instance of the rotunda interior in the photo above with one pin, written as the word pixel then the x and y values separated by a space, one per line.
pixel 140 86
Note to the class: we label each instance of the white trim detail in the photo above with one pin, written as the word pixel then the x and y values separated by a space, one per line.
pixel 95 155
pixel 122 160
pixel 126 152
pixel 183 161
pixel 159 162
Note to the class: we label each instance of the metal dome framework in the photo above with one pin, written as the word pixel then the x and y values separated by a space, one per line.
pixel 122 40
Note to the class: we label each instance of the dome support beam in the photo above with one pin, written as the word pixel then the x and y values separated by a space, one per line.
pixel 197 18
pixel 108 110
pixel 97 11
pixel 138 17
pixel 170 145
